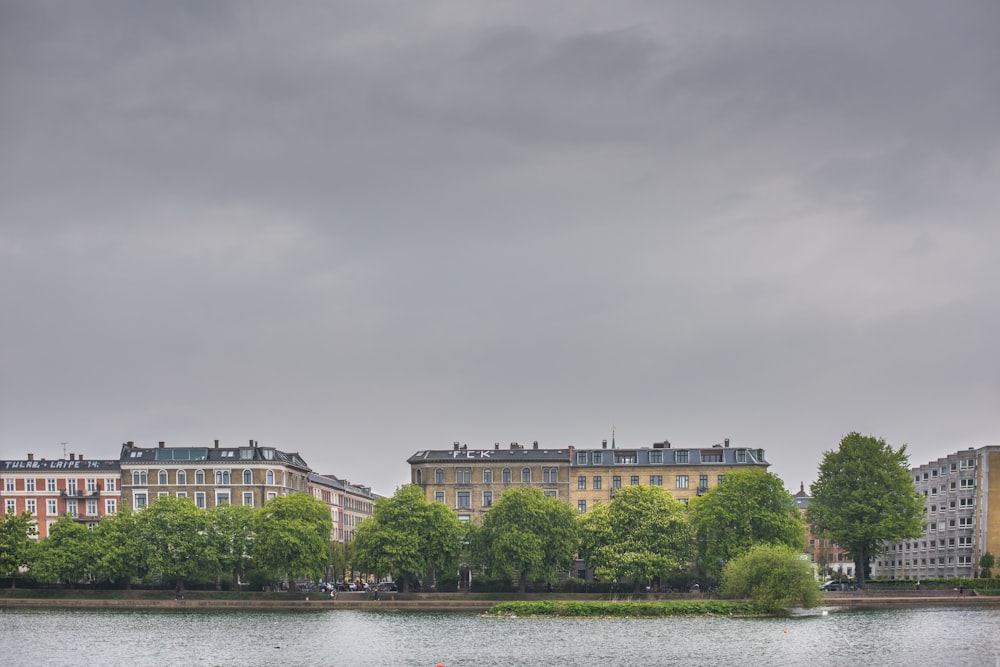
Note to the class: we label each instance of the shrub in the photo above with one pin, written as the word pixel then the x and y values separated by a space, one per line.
pixel 774 576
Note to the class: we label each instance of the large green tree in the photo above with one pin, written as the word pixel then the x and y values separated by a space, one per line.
pixel 292 536
pixel 527 535
pixel 230 532
pixel 863 497
pixel 749 507
pixel 119 554
pixel 16 543
pixel 641 534
pixel 66 555
pixel 408 536
pixel 172 532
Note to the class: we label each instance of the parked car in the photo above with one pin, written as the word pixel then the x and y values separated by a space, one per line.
pixel 834 586
pixel 387 586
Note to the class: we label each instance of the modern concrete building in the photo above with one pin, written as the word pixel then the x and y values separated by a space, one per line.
pixel 210 476
pixel 471 480
pixel 961 518
pixel 86 490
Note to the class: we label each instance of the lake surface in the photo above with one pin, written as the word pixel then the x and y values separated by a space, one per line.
pixel 910 637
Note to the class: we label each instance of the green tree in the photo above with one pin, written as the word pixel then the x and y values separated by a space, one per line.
pixel 527 535
pixel 230 532
pixel 16 543
pixel 986 564
pixel 292 536
pixel 776 576
pixel 172 532
pixel 119 554
pixel 66 555
pixel 864 497
pixel 408 536
pixel 749 507
pixel 642 534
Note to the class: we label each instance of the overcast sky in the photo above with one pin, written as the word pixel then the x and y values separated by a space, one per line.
pixel 357 230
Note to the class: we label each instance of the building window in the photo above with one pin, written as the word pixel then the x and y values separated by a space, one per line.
pixel 221 498
pixel 741 456
pixel 199 477
pixel 505 475
pixel 31 506
pixel 439 496
pixel 71 487
pixel 581 482
pixel 29 485
pixel 110 506
pixel 462 499
pixel 161 478
pixel 681 457
pixel 487 499
pixel 91 508
pixel 11 505
pixel 51 507
pixel 439 476
pixel 581 458
pixel 222 478
pixel 656 480
pixel 181 477
pixel 487 475
pixel 199 498
pixel 581 505
pixel 139 478
pixel 8 484
pixel 248 498
pixel 682 481
pixel 138 498
pixel 72 510
pixel 598 458
pixel 181 494
pixel 967 484
pixel 597 482
pixel 463 476
pixel 551 494
pixel 50 485
pixel 271 495
pixel 703 482
pixel 269 477
pixel 634 480
pixel 247 478
pixel 656 457
pixel 525 475
pixel 550 475
pixel 616 482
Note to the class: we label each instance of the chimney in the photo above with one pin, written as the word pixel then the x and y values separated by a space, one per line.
pixel 455 445
pixel 604 444
pixel 534 445
pixel 162 444
pixel 79 457
pixel 496 445
pixel 72 456
pixel 31 457
pixel 571 453
pixel 727 442
pixel 131 443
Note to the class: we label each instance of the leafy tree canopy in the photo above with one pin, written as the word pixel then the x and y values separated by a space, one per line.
pixel 172 532
pixel 292 536
pixel 66 554
pixel 16 543
pixel 776 576
pixel 527 534
pixel 643 533
pixel 749 507
pixel 864 496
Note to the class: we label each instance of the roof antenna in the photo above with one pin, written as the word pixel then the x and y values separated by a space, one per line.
pixel 612 436
pixel 64 448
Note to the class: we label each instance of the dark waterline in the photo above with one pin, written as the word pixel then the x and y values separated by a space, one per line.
pixel 905 637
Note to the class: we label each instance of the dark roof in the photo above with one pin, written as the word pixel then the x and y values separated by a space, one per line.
pixel 343 485
pixel 500 455
pixel 150 455
pixel 60 465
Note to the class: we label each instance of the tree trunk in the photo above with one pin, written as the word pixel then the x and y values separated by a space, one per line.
pixel 860 558
pixel 523 583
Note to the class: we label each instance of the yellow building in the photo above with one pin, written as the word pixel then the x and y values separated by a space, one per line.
pixel 471 480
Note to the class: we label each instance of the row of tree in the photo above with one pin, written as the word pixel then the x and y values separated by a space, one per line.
pixel 174 542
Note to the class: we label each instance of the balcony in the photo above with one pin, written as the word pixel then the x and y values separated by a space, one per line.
pixel 80 493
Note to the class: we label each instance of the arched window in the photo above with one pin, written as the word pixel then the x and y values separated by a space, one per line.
pixel 181 477
pixel 161 478
pixel 222 477
pixel 247 477
pixel 526 475
pixel 506 475
pixel 270 477
pixel 417 478
pixel 439 476
pixel 488 476
pixel 199 477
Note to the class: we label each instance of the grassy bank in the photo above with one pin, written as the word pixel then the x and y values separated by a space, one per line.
pixel 601 609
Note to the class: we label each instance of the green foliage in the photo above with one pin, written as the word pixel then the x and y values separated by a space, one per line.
pixel 16 543
pixel 292 536
pixel 66 554
pixel 599 609
pixel 775 576
pixel 643 533
pixel 526 535
pixel 863 497
pixel 406 536
pixel 230 533
pixel 750 507
pixel 986 564
pixel 119 555
pixel 173 537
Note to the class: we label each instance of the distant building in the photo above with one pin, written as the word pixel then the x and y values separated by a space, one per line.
pixel 210 476
pixel 471 480
pixel 961 518
pixel 826 555
pixel 350 504
pixel 86 490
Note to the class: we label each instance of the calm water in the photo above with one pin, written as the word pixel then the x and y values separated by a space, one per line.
pixel 910 637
